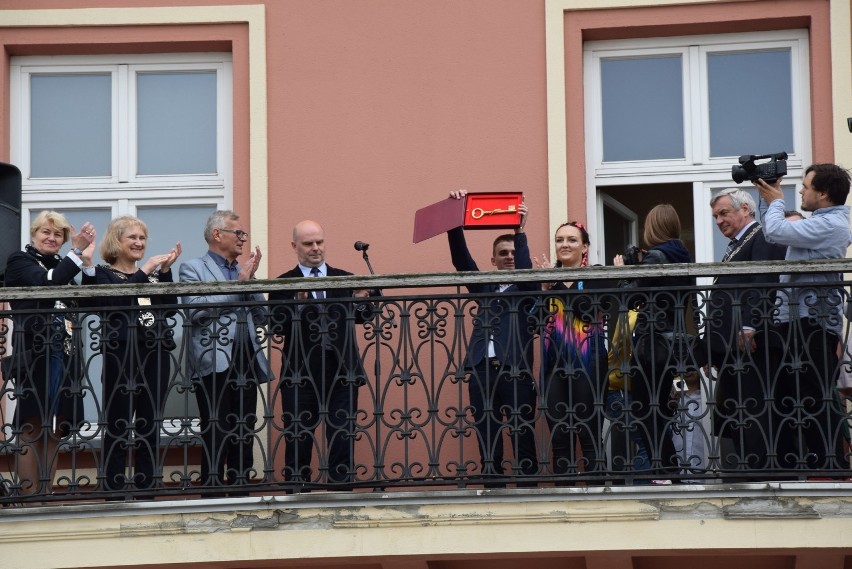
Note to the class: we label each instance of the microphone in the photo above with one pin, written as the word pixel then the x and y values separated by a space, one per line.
pixel 361 246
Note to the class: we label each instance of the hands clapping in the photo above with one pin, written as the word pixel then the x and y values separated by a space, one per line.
pixel 544 263
pixel 248 268
pixel 164 261
pixel 85 241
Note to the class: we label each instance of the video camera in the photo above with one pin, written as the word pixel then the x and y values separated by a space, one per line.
pixel 632 255
pixel 769 171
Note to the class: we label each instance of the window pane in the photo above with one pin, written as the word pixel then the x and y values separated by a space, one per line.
pixel 71 132
pixel 750 99
pixel 642 102
pixel 176 123
pixel 169 224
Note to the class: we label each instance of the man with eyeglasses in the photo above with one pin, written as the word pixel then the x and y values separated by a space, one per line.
pixel 321 363
pixel 226 358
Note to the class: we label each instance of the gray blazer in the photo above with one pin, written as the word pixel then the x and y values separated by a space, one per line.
pixel 213 329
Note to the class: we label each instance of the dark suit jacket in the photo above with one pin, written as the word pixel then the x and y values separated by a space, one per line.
pixel 510 329
pixel 120 310
pixel 723 320
pixel 319 337
pixel 23 269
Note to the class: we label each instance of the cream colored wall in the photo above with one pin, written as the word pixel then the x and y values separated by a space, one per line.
pixel 536 529
pixel 841 73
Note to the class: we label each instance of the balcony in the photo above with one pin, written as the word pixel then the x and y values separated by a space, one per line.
pixel 388 461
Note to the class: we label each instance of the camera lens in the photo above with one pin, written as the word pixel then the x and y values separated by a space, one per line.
pixel 739 174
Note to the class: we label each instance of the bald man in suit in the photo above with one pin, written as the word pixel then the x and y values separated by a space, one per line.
pixel 321 363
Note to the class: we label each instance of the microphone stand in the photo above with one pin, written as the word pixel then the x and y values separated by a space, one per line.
pixel 378 292
pixel 372 291
pixel 367 260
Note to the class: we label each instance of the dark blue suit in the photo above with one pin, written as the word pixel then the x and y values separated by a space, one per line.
pixel 501 385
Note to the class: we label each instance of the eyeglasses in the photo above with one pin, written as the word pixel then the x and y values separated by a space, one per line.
pixel 241 235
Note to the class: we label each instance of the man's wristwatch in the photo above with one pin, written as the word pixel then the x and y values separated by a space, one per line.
pixel 77 251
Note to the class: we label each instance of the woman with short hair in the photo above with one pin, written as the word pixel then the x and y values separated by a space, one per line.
pixel 47 394
pixel 135 339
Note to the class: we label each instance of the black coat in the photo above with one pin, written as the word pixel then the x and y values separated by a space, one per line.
pixel 118 320
pixel 320 336
pixel 754 306
pixel 505 321
pixel 38 337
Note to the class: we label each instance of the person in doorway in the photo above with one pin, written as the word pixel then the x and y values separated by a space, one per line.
pixel 663 346
pixel 742 416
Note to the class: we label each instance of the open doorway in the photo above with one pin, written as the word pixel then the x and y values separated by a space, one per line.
pixel 622 211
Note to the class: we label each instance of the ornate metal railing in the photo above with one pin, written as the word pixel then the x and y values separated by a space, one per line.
pixel 598 384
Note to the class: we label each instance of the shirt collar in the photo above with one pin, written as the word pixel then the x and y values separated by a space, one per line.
pixel 229 271
pixel 744 230
pixel 306 271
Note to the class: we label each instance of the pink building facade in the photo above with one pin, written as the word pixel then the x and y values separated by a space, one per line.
pixel 355 113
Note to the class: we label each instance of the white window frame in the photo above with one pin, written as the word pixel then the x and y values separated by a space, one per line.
pixel 123 183
pixel 694 50
pixel 605 200
pixel 706 174
pixel 594 114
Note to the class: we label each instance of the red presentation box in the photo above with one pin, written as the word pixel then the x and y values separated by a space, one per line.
pixel 487 210
pixel 492 210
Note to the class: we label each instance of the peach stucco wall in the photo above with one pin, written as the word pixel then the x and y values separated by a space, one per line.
pixel 375 109
pixel 379 108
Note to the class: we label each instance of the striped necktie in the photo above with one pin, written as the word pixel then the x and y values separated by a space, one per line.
pixel 730 250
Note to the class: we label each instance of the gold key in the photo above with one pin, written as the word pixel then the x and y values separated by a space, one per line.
pixel 478 212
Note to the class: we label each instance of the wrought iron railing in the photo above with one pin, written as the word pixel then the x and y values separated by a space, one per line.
pixel 593 385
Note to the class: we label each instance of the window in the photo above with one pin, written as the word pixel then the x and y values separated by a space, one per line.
pixel 642 96
pixel 695 103
pixel 126 133
pixel 666 118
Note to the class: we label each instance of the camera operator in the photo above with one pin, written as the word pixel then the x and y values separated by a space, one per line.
pixel 809 313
